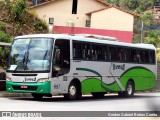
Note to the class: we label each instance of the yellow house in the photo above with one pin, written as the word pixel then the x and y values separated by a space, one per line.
pixel 89 17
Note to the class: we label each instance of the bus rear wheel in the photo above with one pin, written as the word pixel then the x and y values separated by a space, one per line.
pixel 98 94
pixel 73 92
pixel 37 96
pixel 129 92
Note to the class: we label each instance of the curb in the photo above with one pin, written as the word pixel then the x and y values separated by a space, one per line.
pixel 6 94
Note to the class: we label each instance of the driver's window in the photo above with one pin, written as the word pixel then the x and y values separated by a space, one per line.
pixel 57 58
pixel 61 58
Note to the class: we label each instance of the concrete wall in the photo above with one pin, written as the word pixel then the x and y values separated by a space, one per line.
pixel 109 22
pixel 112 19
pixel 61 11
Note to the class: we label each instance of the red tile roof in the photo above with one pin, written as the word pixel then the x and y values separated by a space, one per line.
pixel 110 6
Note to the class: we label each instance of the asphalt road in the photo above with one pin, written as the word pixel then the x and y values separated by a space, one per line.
pixel 111 102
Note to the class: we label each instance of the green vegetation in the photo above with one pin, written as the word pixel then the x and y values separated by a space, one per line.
pixel 145 9
pixel 158 55
pixel 20 20
pixel 15 20
pixel 151 29
pixel 4 37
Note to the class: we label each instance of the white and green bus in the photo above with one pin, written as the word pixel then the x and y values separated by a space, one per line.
pixel 57 64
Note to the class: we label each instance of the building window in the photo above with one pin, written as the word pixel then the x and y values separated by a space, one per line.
pixel 36 2
pixel 74 6
pixel 51 21
pixel 88 23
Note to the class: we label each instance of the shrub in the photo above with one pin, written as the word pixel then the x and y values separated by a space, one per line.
pixel 40 26
pixel 2 26
pixel 4 37
pixel 158 55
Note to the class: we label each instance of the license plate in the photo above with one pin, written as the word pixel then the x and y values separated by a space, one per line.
pixel 24 87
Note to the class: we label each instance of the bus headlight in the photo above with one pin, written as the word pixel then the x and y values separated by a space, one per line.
pixel 8 79
pixel 43 80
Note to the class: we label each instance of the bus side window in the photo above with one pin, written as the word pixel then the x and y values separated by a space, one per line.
pixel 138 57
pixel 77 50
pixel 133 55
pixel 152 57
pixel 112 53
pixel 93 52
pixel 104 53
pixel 146 56
pixel 86 51
pixel 142 55
pixel 126 54
pixel 119 54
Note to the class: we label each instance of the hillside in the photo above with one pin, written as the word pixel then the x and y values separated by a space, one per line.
pixel 16 20
pixel 145 8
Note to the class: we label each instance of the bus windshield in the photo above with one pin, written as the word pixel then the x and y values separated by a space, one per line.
pixel 31 54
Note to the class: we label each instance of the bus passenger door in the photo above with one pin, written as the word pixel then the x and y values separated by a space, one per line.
pixel 60 65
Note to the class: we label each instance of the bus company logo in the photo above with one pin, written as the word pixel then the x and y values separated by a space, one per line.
pixel 6 114
pixel 121 67
pixel 29 79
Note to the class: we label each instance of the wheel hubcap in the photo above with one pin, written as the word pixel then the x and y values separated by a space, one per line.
pixel 72 90
pixel 129 89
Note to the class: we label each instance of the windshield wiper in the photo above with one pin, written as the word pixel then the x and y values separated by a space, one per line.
pixel 26 62
pixel 45 54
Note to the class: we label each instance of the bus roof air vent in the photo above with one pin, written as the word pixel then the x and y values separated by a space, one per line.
pixel 97 37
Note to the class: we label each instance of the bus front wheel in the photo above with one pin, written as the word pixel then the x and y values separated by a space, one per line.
pixel 37 96
pixel 73 92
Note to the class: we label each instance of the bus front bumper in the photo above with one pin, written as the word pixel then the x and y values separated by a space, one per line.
pixel 42 87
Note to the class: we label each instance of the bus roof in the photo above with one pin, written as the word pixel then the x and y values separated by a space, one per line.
pixel 88 39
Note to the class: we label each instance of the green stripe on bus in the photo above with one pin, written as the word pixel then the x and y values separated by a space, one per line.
pixel 143 78
pixel 96 85
pixel 89 70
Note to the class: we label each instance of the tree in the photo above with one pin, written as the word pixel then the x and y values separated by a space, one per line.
pixel 152 37
pixel 21 20
pixel 145 9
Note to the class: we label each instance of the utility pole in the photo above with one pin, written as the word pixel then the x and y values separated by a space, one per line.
pixel 141 32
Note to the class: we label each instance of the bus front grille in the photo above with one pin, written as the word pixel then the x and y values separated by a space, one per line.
pixel 33 88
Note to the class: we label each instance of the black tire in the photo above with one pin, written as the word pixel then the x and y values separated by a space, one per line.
pixel 98 94
pixel 37 96
pixel 73 92
pixel 129 91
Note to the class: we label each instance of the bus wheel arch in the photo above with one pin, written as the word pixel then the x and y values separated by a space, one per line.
pixel 129 89
pixel 74 90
